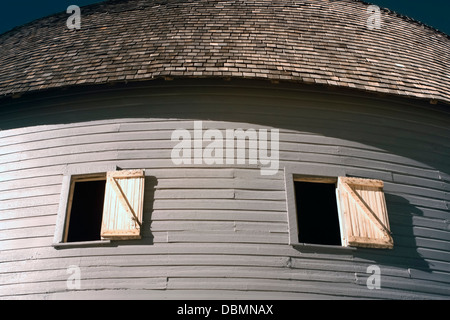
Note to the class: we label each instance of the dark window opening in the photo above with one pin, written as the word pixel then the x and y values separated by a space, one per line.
pixel 317 213
pixel 86 211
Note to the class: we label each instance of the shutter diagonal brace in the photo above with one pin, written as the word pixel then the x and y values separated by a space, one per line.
pixel 123 199
pixel 367 211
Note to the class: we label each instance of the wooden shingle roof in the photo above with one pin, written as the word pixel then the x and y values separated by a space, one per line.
pixel 310 41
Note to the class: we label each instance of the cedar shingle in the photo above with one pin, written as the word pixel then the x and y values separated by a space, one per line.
pixel 321 41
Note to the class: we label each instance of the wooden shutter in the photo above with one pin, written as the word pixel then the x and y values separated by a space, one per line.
pixel 363 213
pixel 123 206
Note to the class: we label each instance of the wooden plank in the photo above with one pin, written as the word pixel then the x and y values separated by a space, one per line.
pixel 59 160
pixel 362 182
pixel 370 214
pixel 194 173
pixel 30 182
pixel 217 214
pixel 64 210
pixel 422 202
pixel 391 167
pixel 125 174
pixel 195 194
pixel 220 204
pixel 411 169
pixel 124 202
pixel 6 177
pixel 89 284
pixel 28 222
pixel 315 179
pixel 344 109
pixel 199 272
pixel 61 131
pixel 30 192
pixel 26 243
pixel 185 225
pixel 159 260
pixel 172 295
pixel 43 200
pixel 29 212
pixel 65 150
pixel 165 254
pixel 349 151
pixel 229 237
pixel 357 231
pixel 368 242
pixel 417 191
pixel 343 290
pixel 203 225
pixel 123 199
pixel 201 183
pixel 27 233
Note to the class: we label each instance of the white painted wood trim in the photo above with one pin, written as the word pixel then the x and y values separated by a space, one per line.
pixel 291 173
pixel 68 173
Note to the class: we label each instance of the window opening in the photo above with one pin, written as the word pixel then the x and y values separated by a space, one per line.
pixel 317 213
pixel 86 208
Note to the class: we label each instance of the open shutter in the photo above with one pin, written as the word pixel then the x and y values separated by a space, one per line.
pixel 123 206
pixel 363 213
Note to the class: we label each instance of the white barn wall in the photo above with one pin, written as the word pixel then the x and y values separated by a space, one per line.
pixel 222 231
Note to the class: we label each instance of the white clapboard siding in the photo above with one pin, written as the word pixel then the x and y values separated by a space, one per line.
pixel 222 231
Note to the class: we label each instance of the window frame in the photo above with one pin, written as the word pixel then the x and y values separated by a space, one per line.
pixel 75 179
pixel 71 175
pixel 319 175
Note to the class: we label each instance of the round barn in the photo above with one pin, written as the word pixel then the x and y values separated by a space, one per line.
pixel 257 149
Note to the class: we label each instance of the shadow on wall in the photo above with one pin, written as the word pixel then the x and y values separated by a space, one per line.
pixel 150 187
pixel 403 127
pixel 396 128
pixel 404 255
pixel 405 252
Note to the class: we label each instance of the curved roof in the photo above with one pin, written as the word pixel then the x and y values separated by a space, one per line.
pixel 311 41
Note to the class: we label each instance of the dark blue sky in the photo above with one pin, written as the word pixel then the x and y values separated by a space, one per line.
pixel 435 13
pixel 17 12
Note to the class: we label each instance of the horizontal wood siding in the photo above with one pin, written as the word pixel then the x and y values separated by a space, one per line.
pixel 221 231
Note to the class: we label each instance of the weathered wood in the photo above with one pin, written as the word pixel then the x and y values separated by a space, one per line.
pixel 223 231
pixel 363 207
pixel 123 205
pixel 362 182
pixel 315 179
pixel 28 222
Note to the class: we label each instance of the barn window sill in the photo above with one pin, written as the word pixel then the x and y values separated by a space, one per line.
pixel 322 247
pixel 80 244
